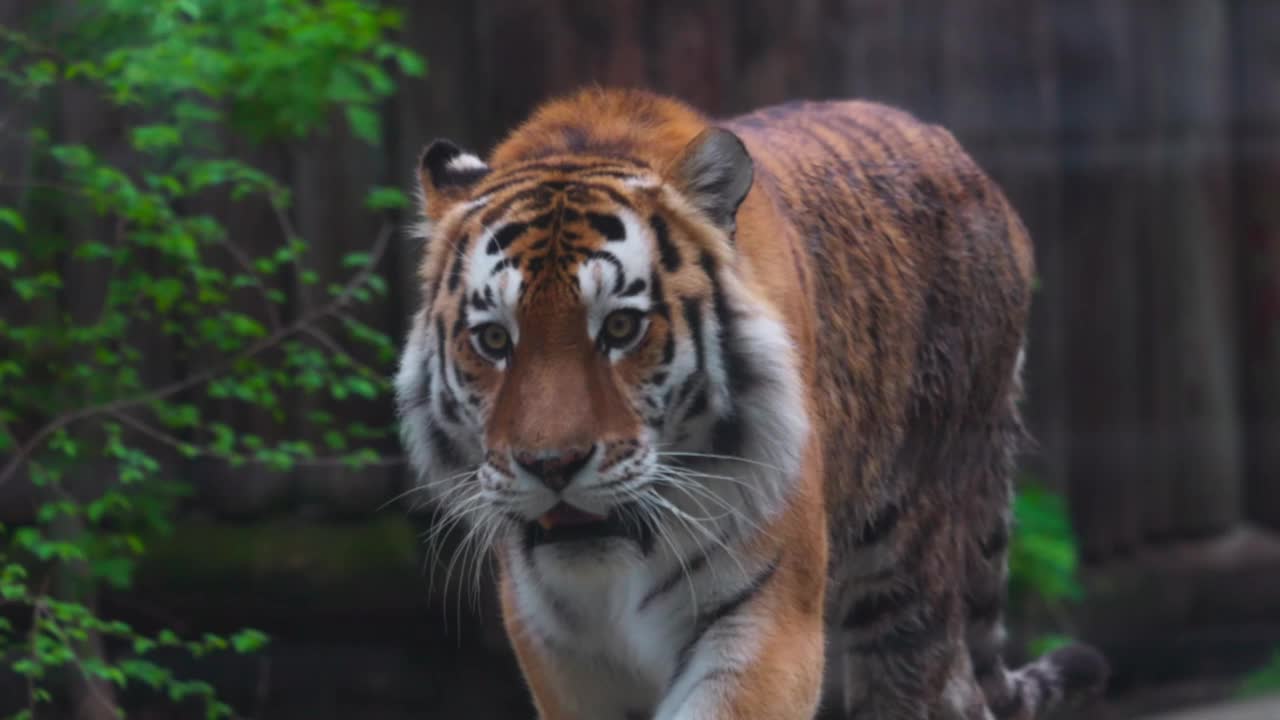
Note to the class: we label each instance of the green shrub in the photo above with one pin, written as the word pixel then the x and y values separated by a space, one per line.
pixel 1043 558
pixel 1263 681
pixel 1043 563
pixel 190 77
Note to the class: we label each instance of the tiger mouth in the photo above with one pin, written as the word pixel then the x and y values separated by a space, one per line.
pixel 565 523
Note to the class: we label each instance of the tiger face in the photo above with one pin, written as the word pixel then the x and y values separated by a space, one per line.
pixel 588 368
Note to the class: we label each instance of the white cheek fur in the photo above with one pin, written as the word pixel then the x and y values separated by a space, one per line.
pixel 598 278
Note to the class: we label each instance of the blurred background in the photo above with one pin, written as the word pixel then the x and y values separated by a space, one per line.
pixel 205 280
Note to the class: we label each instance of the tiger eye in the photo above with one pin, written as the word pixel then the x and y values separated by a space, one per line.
pixel 494 339
pixel 621 327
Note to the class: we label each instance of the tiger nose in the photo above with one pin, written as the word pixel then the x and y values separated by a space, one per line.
pixel 554 468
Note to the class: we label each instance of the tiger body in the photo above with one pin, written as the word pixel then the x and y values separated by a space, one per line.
pixel 733 405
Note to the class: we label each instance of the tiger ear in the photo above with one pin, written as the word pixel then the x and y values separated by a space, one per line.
pixel 446 174
pixel 714 172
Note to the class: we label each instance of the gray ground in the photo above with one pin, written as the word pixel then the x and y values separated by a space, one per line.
pixel 1263 709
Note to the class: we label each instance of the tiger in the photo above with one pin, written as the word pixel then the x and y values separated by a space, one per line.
pixel 733 405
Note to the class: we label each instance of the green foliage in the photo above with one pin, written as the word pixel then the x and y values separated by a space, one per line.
pixel 188 77
pixel 1048 642
pixel 1263 681
pixel 1043 559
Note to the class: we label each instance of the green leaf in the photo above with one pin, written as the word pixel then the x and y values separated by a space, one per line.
pixel 356 259
pixel 248 640
pixel 410 63
pixel 152 138
pixel 165 292
pixel 10 217
pixel 386 198
pixel 362 387
pixel 1047 643
pixel 9 259
pixel 245 325
pixel 365 124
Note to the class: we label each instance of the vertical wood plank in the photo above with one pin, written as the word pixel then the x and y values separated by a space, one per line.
pixel 1187 212
pixel 1256 152
pixel 1100 262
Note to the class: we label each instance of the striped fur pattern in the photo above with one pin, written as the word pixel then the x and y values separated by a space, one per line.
pixel 732 406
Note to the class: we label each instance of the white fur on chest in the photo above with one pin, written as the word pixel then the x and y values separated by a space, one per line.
pixel 612 651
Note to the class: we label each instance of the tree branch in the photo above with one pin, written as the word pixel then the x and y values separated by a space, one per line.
pixel 336 348
pixel 161 436
pixel 124 404
pixel 242 258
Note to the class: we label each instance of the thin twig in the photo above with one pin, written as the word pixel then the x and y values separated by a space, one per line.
pixel 241 257
pixel 161 436
pixel 266 343
pixel 335 347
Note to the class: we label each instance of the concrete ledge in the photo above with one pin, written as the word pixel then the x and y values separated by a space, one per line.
pixel 1261 709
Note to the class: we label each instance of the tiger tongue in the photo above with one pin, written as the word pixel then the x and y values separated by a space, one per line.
pixel 566 514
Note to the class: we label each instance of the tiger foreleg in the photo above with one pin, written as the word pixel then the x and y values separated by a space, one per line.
pixel 754 668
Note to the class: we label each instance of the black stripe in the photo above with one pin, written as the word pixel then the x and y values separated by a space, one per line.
pixel 612 194
pixel 455 269
pixel 667 251
pixel 506 262
pixel 730 606
pixel 669 349
pixel 657 298
pixel 503 238
pixel 543 221
pixel 630 167
pixel 444 448
pixel 607 225
pixel 448 405
pixel 440 343
pixel 619 276
pixel 878 528
pixel 636 287
pixel 673 578
pixel 727 435
pixel 876 605
pixel 737 369
pixel 984 609
pixel 912 635
pixel 518 176
pixel 693 318
pixel 460 323
pixel 996 542
pixel 686 389
pixel 493 211
pixel 699 404
pixel 984 662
